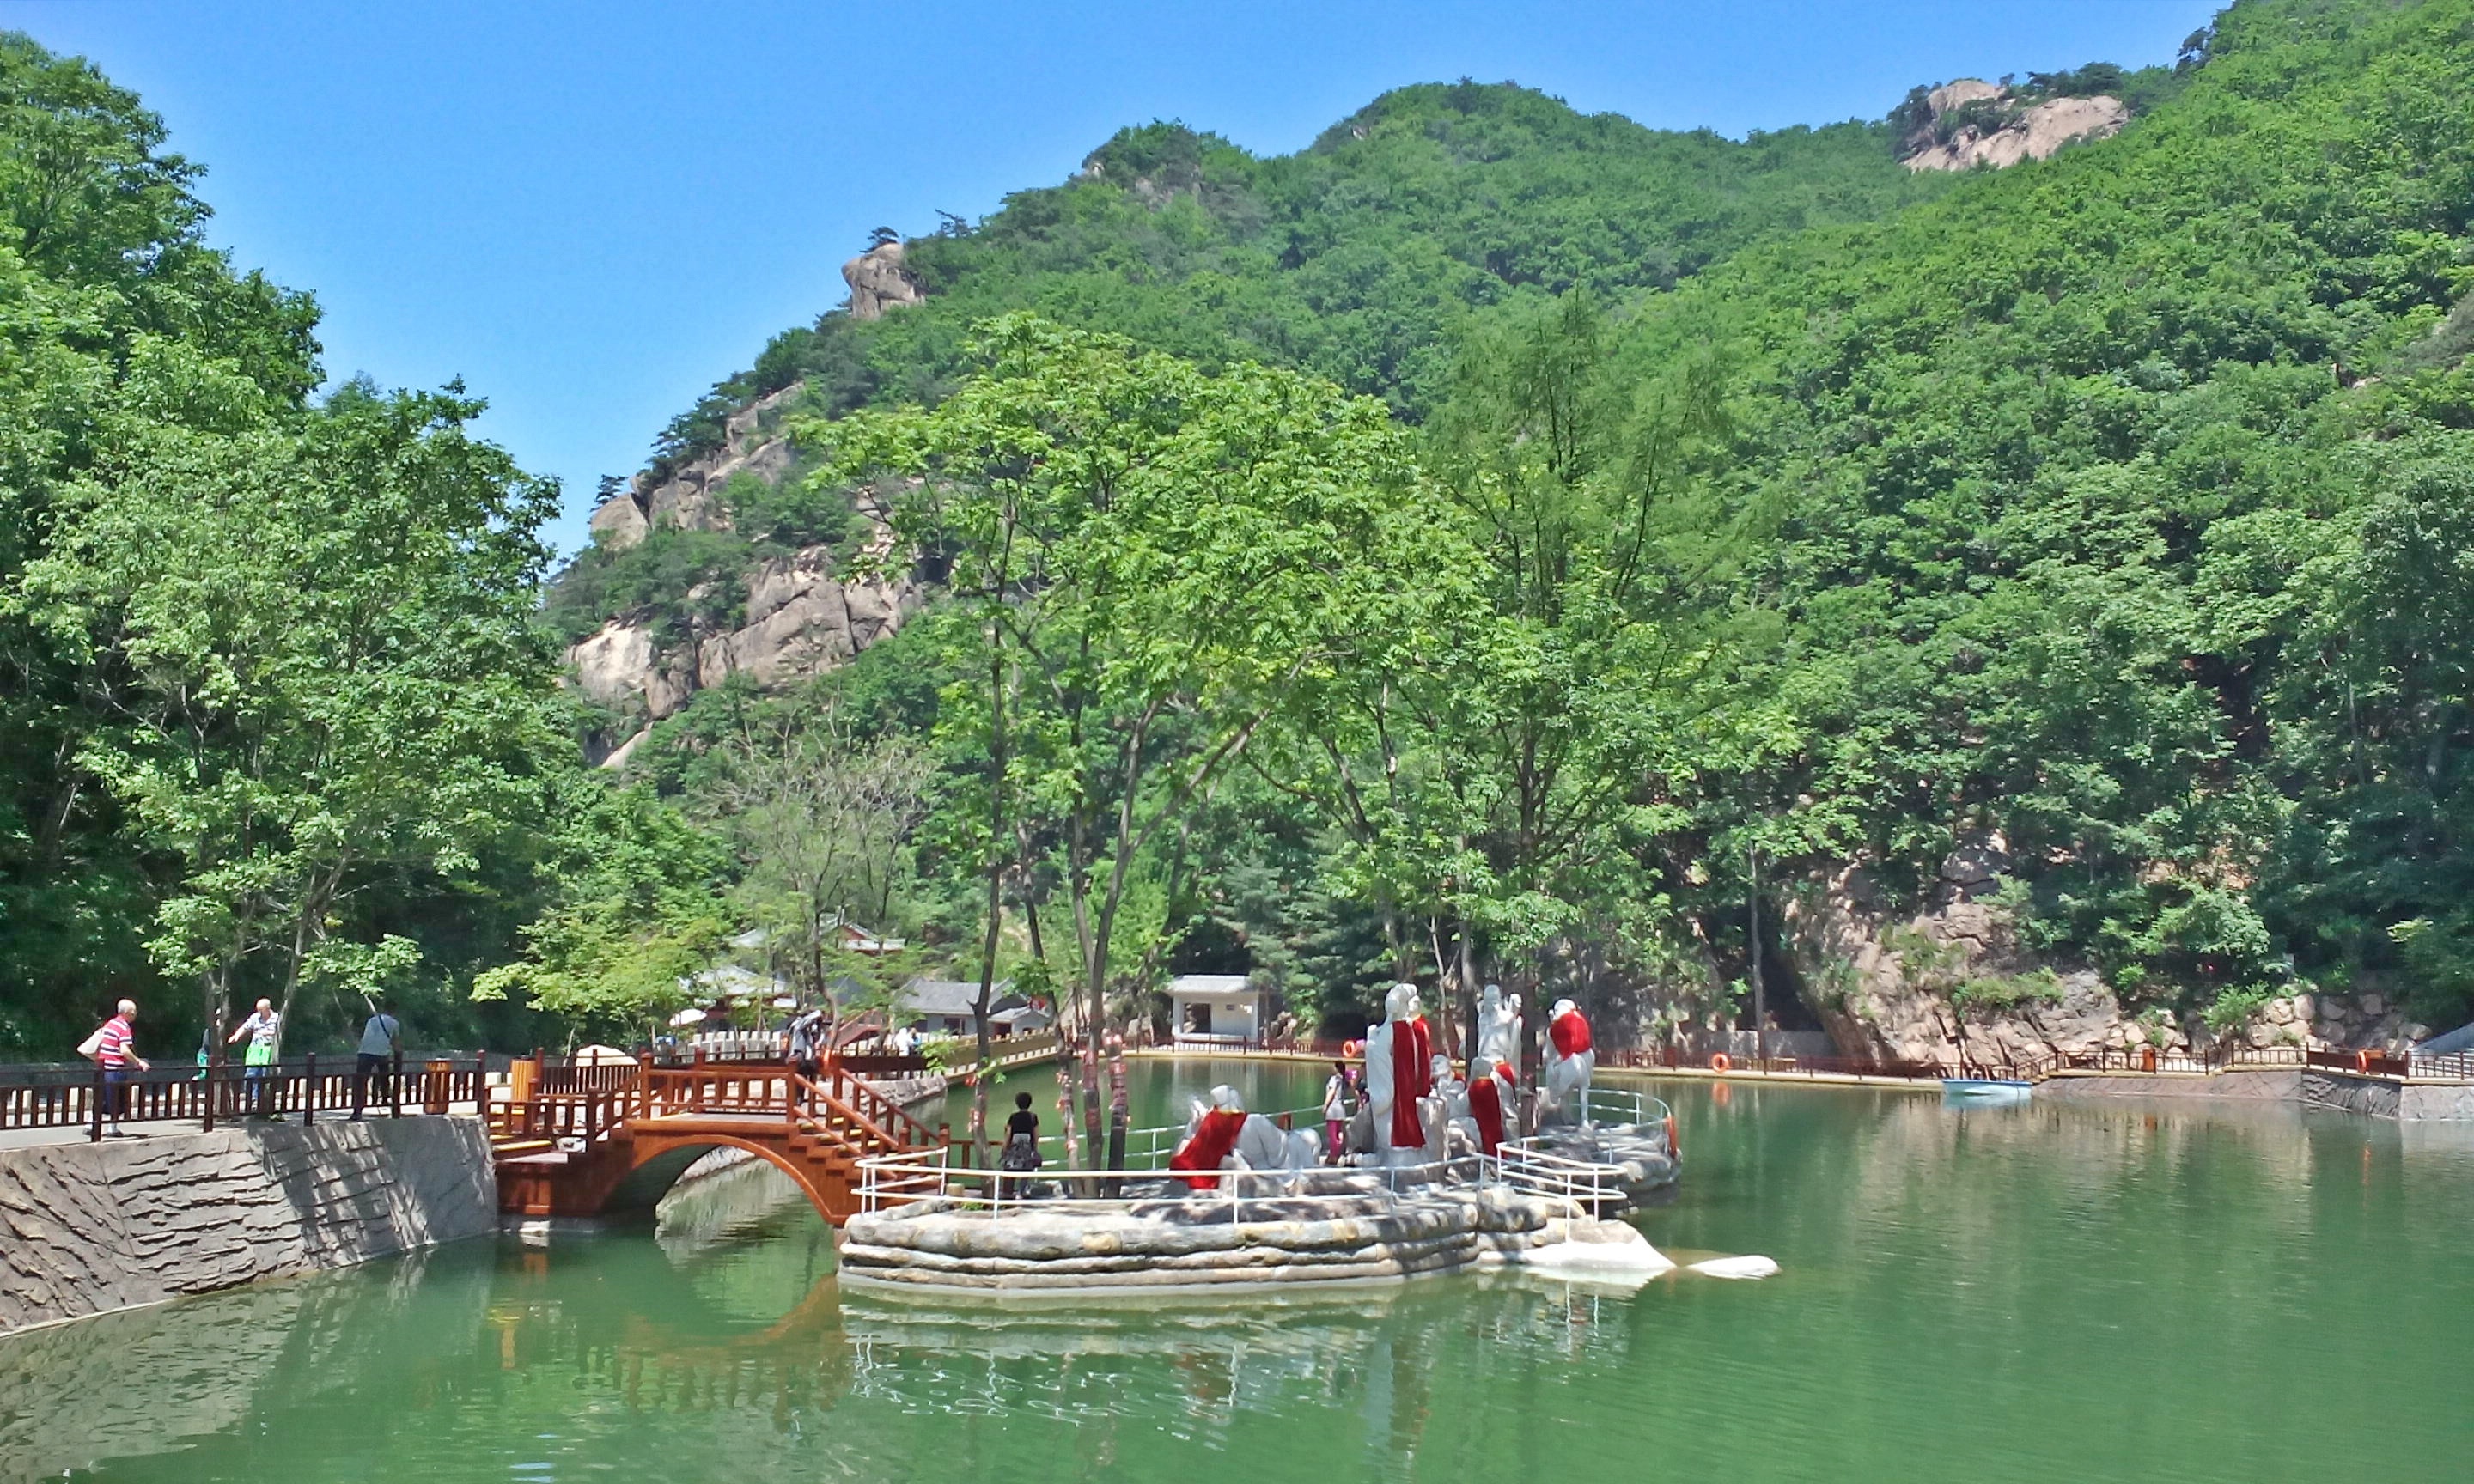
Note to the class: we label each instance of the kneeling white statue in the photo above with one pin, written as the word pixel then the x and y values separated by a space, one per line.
pixel 1223 1135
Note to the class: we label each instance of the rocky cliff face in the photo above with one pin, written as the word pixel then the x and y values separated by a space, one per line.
pixel 1972 123
pixel 879 282
pixel 801 621
pixel 802 617
pixel 1891 985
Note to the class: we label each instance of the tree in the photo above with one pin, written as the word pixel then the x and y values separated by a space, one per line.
pixel 1156 562
pixel 823 820
pixel 637 910
pixel 314 648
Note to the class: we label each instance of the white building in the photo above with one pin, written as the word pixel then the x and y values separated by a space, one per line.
pixel 1215 1010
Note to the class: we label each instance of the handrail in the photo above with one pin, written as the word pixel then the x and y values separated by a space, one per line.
pixel 818 1094
pixel 227 1092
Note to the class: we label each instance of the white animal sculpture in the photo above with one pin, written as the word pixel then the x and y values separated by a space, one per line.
pixel 1564 1080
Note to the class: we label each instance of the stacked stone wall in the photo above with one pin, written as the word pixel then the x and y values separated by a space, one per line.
pixel 91 1228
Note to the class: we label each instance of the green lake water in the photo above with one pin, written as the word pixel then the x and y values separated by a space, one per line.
pixel 2131 1291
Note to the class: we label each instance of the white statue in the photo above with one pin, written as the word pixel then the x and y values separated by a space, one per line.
pixel 1563 1081
pixel 1498 1026
pixel 1489 1104
pixel 1453 1094
pixel 1223 1135
pixel 1400 1073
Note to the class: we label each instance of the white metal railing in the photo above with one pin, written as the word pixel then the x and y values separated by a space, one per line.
pixel 1585 1186
pixel 887 1181
pixel 1624 1105
pixel 1154 1144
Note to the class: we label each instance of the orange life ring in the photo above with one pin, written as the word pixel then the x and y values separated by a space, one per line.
pixel 1674 1150
pixel 1720 1064
pixel 1348 1050
pixel 2361 1061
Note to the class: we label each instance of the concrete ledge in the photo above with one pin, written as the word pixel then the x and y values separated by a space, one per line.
pixel 94 1228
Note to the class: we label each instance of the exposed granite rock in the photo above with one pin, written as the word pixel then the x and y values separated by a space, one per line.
pixel 802 621
pixel 2032 133
pixel 690 499
pixel 92 1228
pixel 1889 981
pixel 879 282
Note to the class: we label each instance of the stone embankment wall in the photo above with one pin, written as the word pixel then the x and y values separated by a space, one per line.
pixel 92 1228
pixel 2407 1102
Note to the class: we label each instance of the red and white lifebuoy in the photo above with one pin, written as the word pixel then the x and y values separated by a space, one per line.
pixel 1720 1064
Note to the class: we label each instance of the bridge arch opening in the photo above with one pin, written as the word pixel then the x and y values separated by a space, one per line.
pixel 658 1170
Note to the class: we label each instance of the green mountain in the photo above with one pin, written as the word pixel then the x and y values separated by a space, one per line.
pixel 1359 259
pixel 2102 513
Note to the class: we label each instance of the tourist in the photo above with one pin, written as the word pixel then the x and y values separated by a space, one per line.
pixel 381 1037
pixel 114 1048
pixel 1336 1110
pixel 260 1028
pixel 1021 1154
pixel 807 1044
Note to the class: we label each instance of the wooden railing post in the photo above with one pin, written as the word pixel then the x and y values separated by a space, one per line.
pixel 308 1088
pixel 94 1135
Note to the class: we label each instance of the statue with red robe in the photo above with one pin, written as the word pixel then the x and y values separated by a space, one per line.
pixel 1210 1139
pixel 1400 1074
pixel 1489 1095
pixel 1563 1081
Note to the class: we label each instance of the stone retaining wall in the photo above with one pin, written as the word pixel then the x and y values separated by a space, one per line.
pixel 1173 1245
pixel 92 1228
pixel 2272 1085
pixel 2382 1097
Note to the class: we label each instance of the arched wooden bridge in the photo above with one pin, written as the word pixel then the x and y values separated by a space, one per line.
pixel 592 1140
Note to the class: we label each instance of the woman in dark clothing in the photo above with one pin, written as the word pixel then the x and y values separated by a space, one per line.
pixel 1022 1138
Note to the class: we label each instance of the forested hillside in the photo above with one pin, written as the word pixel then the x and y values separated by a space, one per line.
pixel 2091 522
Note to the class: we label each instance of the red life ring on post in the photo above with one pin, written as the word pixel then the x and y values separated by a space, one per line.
pixel 2361 1061
pixel 1674 1150
pixel 1348 1050
pixel 1720 1064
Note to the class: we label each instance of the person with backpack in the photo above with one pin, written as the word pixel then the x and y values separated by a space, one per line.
pixel 1021 1153
pixel 381 1037
pixel 807 1044
pixel 114 1048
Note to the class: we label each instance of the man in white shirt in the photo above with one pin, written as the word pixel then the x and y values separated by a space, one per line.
pixel 261 1028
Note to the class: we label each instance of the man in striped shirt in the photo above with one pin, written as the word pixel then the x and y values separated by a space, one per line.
pixel 115 1052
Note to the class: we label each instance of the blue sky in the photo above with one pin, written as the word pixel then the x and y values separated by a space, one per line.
pixel 590 212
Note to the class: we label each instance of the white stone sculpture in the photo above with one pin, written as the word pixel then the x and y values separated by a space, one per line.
pixel 1498 1027
pixel 1257 1143
pixel 1570 1058
pixel 1400 1073
pixel 1488 1095
pixel 1451 1094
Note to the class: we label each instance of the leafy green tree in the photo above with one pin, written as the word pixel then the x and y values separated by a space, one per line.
pixel 1155 561
pixel 313 642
